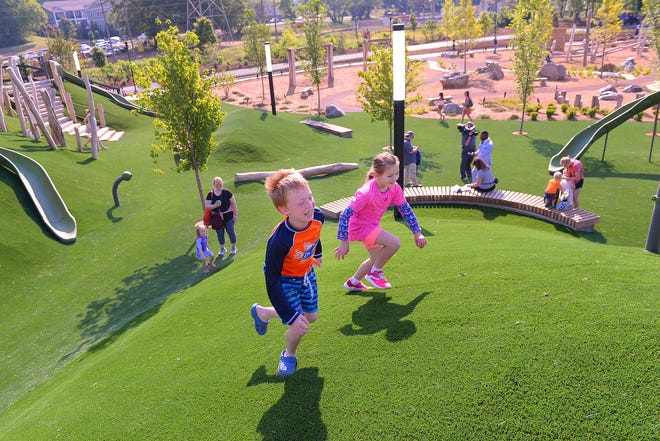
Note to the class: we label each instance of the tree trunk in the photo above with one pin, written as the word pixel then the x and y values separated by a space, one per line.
pixel 522 118
pixel 602 62
pixel 199 187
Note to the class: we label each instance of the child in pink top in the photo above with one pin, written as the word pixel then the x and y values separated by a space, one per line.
pixel 360 221
pixel 574 173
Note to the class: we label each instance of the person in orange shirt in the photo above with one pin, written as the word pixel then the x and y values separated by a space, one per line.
pixel 294 247
pixel 552 191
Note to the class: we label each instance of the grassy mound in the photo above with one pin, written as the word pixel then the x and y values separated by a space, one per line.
pixel 504 327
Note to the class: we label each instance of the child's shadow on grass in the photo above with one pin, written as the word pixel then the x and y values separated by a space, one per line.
pixel 139 297
pixel 378 314
pixel 302 397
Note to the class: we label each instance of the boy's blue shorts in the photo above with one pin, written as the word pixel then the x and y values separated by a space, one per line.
pixel 302 292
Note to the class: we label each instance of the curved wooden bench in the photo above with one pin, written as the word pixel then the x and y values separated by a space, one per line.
pixel 521 203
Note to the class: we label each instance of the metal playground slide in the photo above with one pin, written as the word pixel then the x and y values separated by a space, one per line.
pixel 580 143
pixel 41 189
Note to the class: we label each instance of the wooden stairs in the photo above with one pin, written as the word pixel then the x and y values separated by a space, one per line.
pixel 68 126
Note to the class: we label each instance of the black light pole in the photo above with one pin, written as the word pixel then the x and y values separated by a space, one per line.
pixel 269 69
pixel 275 18
pixel 130 66
pixel 495 31
pixel 399 91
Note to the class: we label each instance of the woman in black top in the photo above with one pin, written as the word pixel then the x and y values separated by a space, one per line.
pixel 222 202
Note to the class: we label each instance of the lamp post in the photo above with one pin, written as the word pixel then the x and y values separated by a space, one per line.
pixel 495 31
pixel 275 18
pixel 399 91
pixel 269 69
pixel 76 62
pixel 130 66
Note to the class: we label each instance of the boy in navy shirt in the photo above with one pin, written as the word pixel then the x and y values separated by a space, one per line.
pixel 293 248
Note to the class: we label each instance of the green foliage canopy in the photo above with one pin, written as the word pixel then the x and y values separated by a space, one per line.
pixel 204 30
pixel 375 93
pixel 19 19
pixel 651 9
pixel 188 113
pixel 459 23
pixel 532 24
pixel 607 25
pixel 315 63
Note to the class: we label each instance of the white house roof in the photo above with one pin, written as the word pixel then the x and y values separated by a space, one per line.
pixel 67 5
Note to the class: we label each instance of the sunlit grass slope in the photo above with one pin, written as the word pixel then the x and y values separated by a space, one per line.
pixel 504 327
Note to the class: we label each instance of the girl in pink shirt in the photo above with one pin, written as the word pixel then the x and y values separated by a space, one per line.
pixel 360 221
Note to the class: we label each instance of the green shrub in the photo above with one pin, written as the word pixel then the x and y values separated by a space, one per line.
pixel 514 116
pixel 534 116
pixel 564 107
pixel 638 116
pixel 571 113
pixel 98 57
pixel 533 108
pixel 550 110
pixel 592 112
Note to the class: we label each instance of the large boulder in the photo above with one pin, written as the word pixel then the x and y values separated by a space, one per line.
pixel 606 74
pixel 452 108
pixel 633 88
pixel 553 72
pixel 610 96
pixel 454 80
pixel 332 111
pixel 629 64
pixel 494 71
pixel 608 88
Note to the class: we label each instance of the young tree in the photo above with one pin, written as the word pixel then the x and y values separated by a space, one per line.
pixel 254 37
pixel 60 49
pixel 203 28
pixel 413 24
pixel 188 113
pixel 67 27
pixel 429 29
pixel 226 80
pixel 532 24
pixel 98 57
pixel 651 9
pixel 315 63
pixel 486 23
pixel 460 24
pixel 375 92
pixel 287 9
pixel 607 25
pixel 287 40
pixel 337 9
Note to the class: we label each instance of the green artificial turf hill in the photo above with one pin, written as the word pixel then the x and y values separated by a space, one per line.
pixel 504 327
